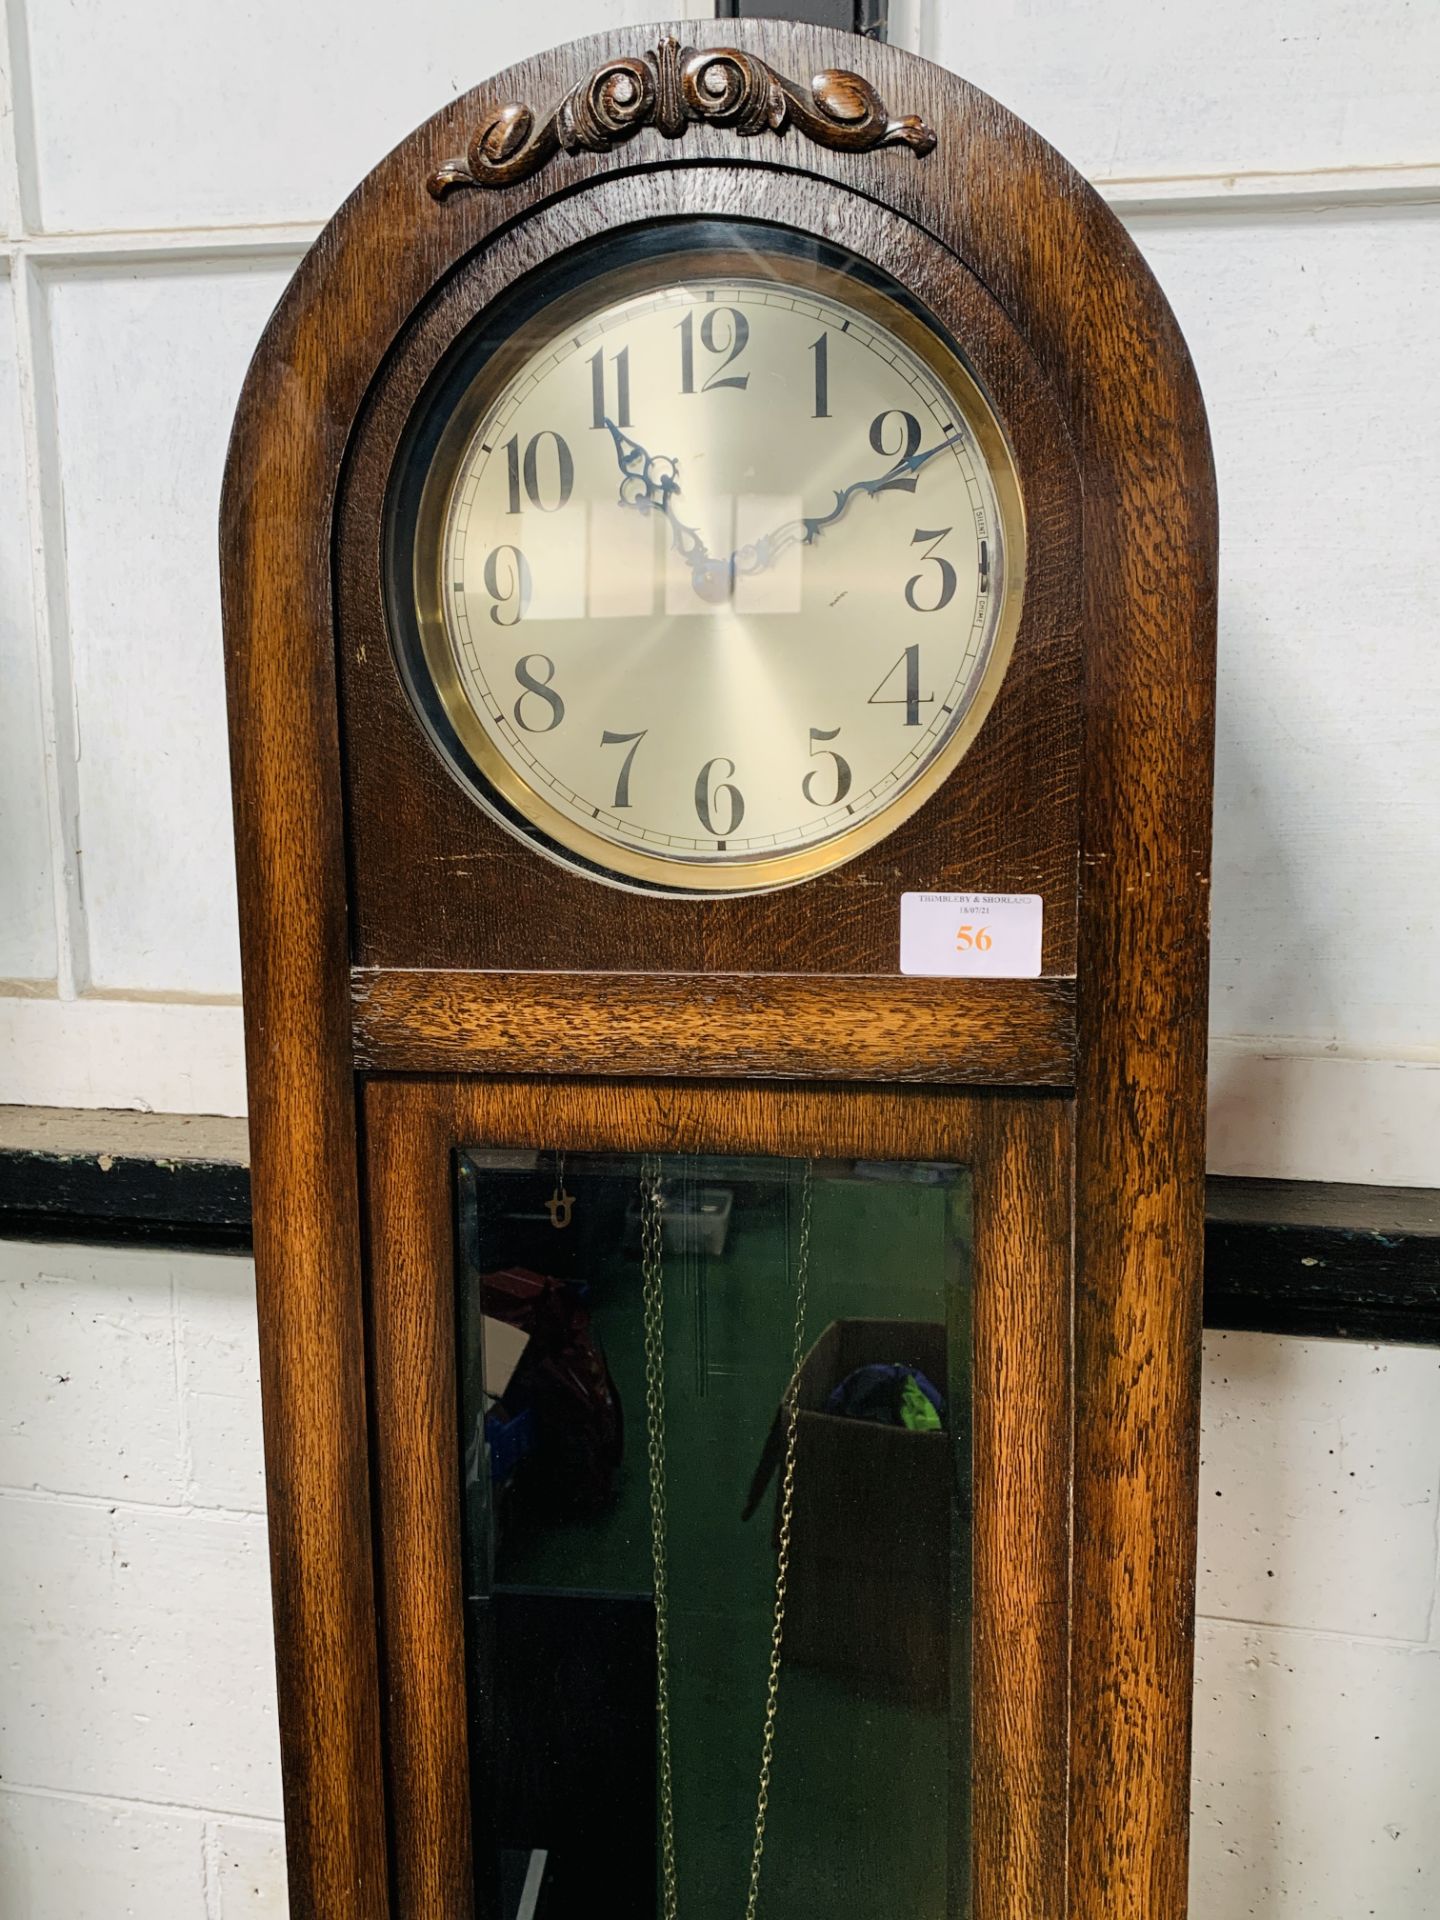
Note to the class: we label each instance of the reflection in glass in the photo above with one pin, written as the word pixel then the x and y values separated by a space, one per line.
pixel 711 1406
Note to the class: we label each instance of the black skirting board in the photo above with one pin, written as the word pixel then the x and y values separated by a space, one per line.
pixel 1281 1256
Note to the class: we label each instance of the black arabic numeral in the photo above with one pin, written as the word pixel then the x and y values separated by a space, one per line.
pixel 732 344
pixel 541 689
pixel 911 699
pixel 596 363
pixel 842 769
pixel 931 540
pixel 910 446
pixel 705 800
pixel 739 339
pixel 565 472
pixel 622 785
pixel 821 350
pixel 510 586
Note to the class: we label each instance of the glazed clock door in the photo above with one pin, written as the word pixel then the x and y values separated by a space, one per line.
pixel 721 1446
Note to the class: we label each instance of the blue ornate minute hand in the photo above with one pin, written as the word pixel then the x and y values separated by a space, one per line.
pixel 756 557
pixel 649 482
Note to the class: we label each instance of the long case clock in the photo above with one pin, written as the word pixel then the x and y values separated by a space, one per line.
pixel 719 583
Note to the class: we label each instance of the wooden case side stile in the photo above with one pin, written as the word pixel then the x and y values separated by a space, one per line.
pixel 1151 544
pixel 285 766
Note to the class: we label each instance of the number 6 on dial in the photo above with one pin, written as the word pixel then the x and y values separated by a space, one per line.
pixel 746 503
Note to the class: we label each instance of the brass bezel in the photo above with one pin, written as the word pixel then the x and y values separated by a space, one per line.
pixel 609 860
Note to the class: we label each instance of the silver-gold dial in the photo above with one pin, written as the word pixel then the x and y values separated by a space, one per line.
pixel 718 565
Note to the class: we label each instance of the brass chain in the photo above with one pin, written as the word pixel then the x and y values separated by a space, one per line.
pixel 652 1261
pixel 790 1405
pixel 652 1266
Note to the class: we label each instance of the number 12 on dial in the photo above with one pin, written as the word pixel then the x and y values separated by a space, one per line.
pixel 759 540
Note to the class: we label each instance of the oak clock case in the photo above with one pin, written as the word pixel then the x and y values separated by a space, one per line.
pixel 699 485
pixel 438 777
pixel 686 500
pixel 581 656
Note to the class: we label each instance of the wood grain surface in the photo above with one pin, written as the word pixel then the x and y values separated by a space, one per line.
pixel 1018 1149
pixel 439 883
pixel 976 1032
pixel 289 850
pixel 411 1221
pixel 1022 1156
pixel 1150 583
pixel 1088 784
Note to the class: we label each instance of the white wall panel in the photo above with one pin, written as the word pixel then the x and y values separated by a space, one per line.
pixel 266 112
pixel 1317 348
pixel 134 1599
pixel 163 1056
pixel 88 1380
pixel 113 1859
pixel 1320 1484
pixel 219 1378
pixel 27 913
pixel 1316 1777
pixel 1232 87
pixel 148 365
pixel 10 216
pixel 1317 1695
pixel 134 1639
pixel 1290 1113
pixel 131 1373
pixel 247 1871
pixel 64 1859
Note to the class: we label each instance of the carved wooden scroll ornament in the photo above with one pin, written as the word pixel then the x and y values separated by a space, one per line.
pixel 668 89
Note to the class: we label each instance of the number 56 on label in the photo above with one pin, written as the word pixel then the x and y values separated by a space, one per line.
pixel 995 936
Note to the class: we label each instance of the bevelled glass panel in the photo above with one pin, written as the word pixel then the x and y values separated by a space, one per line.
pixel 715 1437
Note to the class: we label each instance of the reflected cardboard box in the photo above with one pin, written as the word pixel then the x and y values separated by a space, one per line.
pixel 869 1596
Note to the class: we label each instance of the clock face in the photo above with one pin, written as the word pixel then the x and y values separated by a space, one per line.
pixel 716 564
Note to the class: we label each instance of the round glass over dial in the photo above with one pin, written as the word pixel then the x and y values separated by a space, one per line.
pixel 716 564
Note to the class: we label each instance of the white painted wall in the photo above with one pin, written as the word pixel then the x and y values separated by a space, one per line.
pixel 138 1754
pixel 161 169
pixel 1317 1692
pixel 1280 167
pixel 139 1764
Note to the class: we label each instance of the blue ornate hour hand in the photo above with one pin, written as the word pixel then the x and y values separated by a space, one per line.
pixel 760 554
pixel 649 482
